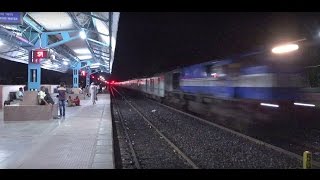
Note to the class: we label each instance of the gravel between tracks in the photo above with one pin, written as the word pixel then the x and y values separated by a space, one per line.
pixel 209 146
pixel 151 150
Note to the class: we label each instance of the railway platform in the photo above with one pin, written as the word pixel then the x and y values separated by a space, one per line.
pixel 81 140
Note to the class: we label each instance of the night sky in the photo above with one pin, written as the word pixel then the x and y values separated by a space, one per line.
pixel 17 73
pixel 149 43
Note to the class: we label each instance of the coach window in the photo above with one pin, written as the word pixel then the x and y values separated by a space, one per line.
pixel 146 85
pixel 176 81
pixel 215 71
pixel 152 85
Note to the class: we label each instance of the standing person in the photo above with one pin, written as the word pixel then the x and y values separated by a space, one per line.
pixel 87 90
pixel 100 88
pixel 62 99
pixel 93 92
pixel 55 108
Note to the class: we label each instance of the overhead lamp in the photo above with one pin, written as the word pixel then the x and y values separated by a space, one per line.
pixel 65 63
pixel 85 57
pixel 83 34
pixel 285 48
pixel 82 51
pixel 1 43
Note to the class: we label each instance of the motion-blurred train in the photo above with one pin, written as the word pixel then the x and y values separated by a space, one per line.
pixel 248 80
pixel 252 76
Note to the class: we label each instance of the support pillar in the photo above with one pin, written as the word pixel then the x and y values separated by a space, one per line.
pixel 88 73
pixel 34 66
pixel 34 75
pixel 88 76
pixel 76 75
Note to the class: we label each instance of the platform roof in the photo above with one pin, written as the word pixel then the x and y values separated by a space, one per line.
pixel 17 40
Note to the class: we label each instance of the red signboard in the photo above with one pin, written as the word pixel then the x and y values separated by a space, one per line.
pixel 39 54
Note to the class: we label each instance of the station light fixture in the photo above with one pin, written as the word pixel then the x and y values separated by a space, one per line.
pixel 65 63
pixel 83 34
pixel 82 51
pixel 285 48
pixel 1 43
pixel 83 57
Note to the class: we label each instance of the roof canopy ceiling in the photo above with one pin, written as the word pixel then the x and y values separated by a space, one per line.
pixel 65 44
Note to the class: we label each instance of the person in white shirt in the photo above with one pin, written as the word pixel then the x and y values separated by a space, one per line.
pixel 41 96
pixel 93 92
pixel 19 94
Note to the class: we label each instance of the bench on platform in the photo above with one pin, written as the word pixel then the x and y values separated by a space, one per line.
pixel 29 109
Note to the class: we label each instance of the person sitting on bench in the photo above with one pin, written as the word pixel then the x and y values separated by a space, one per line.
pixel 19 94
pixel 48 97
pixel 41 96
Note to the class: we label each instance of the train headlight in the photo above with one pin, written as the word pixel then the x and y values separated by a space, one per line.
pixel 285 48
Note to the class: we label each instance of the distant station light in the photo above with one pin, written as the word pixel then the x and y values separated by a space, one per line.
pixel 285 48
pixel 1 43
pixel 65 63
pixel 83 73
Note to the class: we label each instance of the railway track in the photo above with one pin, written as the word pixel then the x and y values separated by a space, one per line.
pixel 197 163
pixel 138 159
pixel 127 137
